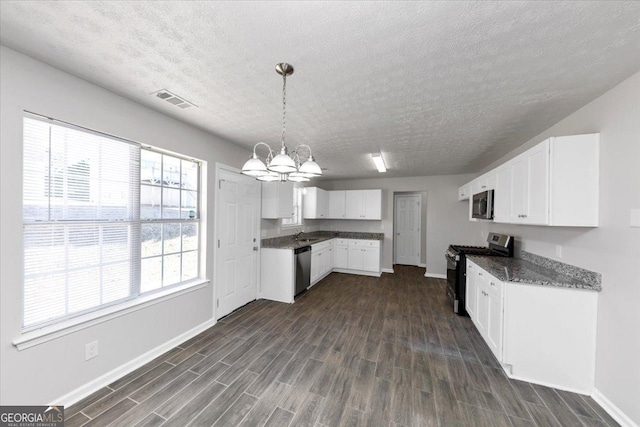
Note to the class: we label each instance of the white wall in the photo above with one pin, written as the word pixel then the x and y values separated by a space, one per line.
pixel 612 249
pixel 446 217
pixel 43 373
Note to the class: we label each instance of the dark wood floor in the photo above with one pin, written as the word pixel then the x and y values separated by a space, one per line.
pixel 351 351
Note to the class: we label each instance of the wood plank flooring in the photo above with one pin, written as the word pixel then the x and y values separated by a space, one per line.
pixel 352 351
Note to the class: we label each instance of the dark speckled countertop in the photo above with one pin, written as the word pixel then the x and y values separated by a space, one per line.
pixel 536 270
pixel 289 242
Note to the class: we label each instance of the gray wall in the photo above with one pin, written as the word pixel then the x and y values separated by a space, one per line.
pixel 45 372
pixel 446 217
pixel 613 248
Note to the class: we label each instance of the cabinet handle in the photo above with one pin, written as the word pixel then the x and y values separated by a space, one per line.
pixel 484 186
pixel 492 284
pixel 479 274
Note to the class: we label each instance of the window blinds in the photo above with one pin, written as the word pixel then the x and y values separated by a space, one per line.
pixel 81 195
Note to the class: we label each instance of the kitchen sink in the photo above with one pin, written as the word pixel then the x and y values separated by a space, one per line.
pixel 307 240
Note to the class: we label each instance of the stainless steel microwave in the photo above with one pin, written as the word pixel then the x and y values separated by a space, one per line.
pixel 482 205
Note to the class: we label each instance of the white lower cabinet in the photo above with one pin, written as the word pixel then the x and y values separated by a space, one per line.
pixel 341 253
pixel 364 255
pixel 484 305
pixel 540 334
pixel 471 297
pixel 353 256
pixel 321 260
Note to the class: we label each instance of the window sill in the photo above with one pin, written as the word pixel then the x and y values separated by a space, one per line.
pixel 52 332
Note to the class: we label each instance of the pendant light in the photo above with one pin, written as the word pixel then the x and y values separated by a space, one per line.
pixel 282 166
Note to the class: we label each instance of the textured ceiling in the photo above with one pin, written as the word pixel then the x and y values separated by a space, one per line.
pixel 437 87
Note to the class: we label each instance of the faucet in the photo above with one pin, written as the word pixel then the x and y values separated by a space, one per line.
pixel 298 235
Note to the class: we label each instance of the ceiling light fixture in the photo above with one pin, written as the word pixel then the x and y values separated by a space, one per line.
pixel 283 166
pixel 379 161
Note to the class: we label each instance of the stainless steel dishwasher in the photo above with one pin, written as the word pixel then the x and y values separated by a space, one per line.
pixel 303 268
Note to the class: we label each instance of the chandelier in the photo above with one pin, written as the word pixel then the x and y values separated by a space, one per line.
pixel 283 166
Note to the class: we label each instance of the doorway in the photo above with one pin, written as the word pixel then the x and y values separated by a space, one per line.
pixel 237 233
pixel 407 218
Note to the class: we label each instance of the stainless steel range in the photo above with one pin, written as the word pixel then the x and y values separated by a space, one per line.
pixel 499 245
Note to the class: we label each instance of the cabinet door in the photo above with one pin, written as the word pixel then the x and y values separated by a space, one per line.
pixel 322 268
pixel 341 257
pixel 356 258
pixel 490 179
pixel 277 200
pixel 323 203
pixel 482 313
pixel 479 185
pixel 493 335
pixel 470 296
pixel 315 266
pixel 354 201
pixel 371 259
pixel 310 203
pixel 329 259
pixel 502 195
pixel 463 192
pixel 372 204
pixel 537 194
pixel 337 207
pixel 519 174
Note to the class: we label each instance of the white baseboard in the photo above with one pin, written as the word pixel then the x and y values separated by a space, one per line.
pixel 106 379
pixel 435 275
pixel 612 409
pixel 422 265
pixel 544 383
pixel 357 272
pixel 388 270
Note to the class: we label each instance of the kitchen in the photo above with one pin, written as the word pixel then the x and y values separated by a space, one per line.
pixel 588 96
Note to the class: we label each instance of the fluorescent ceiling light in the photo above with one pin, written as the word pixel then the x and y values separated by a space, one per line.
pixel 377 159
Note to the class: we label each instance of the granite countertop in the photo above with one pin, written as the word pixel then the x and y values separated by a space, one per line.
pixel 536 270
pixel 289 242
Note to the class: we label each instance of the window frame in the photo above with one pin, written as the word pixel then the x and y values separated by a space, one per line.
pixel 297 206
pixel 33 333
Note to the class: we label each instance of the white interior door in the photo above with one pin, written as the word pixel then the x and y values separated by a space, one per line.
pixel 407 229
pixel 238 222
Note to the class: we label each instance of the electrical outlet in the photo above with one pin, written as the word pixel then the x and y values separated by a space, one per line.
pixel 91 350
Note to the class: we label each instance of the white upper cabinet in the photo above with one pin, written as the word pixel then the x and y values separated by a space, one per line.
pixel 277 200
pixel 316 203
pixel 337 204
pixel 529 201
pixel 502 195
pixel 554 183
pixel 464 192
pixel 363 204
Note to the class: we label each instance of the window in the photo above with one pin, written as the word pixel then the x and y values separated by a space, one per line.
pixel 104 221
pixel 296 218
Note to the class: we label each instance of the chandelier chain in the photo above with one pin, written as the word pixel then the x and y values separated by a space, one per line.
pixel 284 106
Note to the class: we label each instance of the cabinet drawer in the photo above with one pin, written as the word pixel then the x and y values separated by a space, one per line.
pixel 320 246
pixel 364 243
pixel 494 283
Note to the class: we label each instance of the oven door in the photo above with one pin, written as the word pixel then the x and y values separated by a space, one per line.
pixel 451 276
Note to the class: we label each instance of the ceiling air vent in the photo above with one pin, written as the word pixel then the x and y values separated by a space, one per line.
pixel 172 98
